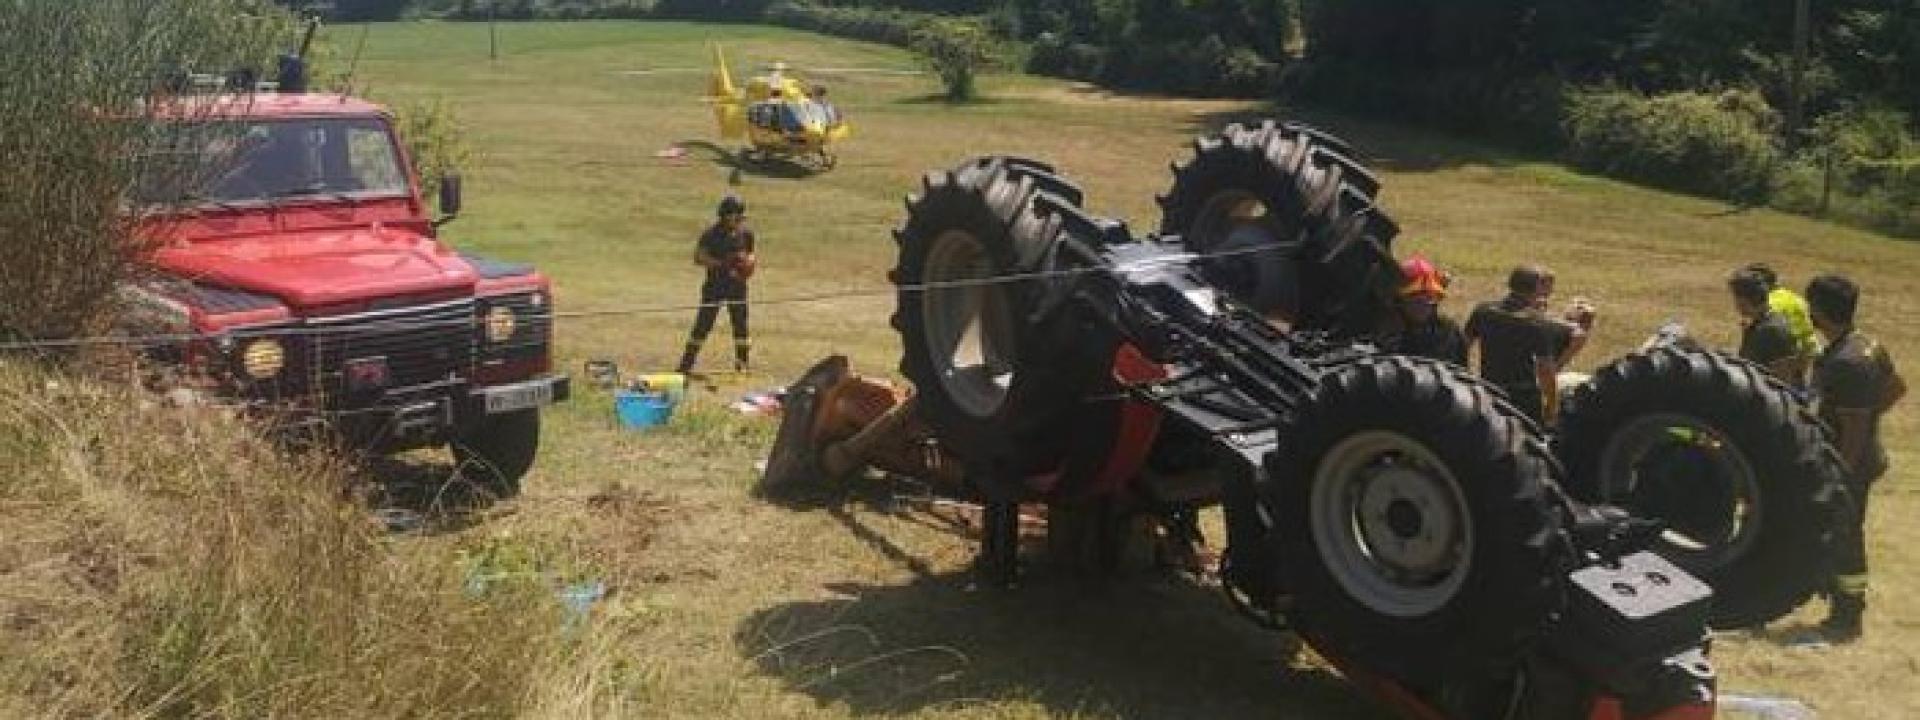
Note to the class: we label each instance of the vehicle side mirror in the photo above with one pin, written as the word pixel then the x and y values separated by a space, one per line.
pixel 449 199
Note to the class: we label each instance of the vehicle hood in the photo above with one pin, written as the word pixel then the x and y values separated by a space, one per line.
pixel 323 267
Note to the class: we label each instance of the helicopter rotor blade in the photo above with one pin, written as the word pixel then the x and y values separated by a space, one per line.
pixel 642 72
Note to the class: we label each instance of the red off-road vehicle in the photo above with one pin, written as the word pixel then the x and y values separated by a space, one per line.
pixel 303 278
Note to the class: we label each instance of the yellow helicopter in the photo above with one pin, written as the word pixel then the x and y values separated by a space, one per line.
pixel 776 114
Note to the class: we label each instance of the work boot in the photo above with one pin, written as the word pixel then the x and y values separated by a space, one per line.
pixel 1843 623
pixel 740 353
pixel 688 358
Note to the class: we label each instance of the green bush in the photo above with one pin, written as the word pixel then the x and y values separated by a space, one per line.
pixel 1864 169
pixel 1057 56
pixel 1208 67
pixel 713 9
pixel 1715 144
pixel 534 9
pixel 1523 111
pixel 357 10
pixel 436 140
pixel 957 51
pixel 81 122
pixel 893 27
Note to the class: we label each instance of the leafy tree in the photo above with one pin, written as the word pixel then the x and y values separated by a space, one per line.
pixel 89 121
pixel 956 51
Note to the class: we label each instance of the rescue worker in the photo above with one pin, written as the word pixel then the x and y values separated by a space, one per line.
pixel 1790 307
pixel 1522 348
pixel 827 111
pixel 1855 383
pixel 726 250
pixel 1765 337
pixel 1420 328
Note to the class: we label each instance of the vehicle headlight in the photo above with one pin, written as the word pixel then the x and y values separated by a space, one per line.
pixel 501 324
pixel 263 359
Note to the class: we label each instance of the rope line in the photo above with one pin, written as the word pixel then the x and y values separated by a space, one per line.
pixel 405 325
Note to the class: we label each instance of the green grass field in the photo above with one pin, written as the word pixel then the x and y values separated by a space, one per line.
pixel 728 607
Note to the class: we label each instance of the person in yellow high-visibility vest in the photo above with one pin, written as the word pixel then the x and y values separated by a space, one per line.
pixel 1765 335
pixel 1791 308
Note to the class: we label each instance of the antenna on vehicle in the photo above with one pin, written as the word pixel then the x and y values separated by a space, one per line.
pixel 306 40
pixel 346 86
pixel 293 66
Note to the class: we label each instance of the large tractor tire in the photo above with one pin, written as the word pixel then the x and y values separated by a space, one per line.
pixel 1737 467
pixel 1420 530
pixel 1288 219
pixel 998 387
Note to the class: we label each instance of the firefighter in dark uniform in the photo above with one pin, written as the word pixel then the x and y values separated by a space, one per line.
pixel 1766 337
pixel 1854 382
pixel 726 251
pixel 1419 328
pixel 1522 348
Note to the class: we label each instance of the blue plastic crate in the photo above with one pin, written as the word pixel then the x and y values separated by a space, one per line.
pixel 642 409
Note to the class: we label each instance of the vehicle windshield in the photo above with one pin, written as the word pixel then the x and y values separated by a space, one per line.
pixel 262 161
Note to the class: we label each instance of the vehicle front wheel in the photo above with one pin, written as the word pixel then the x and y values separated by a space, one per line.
pixel 495 452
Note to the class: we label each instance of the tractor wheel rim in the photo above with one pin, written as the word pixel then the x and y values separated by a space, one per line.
pixel 1251 257
pixel 1697 541
pixel 1391 523
pixel 1233 214
pixel 969 325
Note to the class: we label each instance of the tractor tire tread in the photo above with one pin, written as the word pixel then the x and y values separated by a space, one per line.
pixel 1519 563
pixel 991 198
pixel 1798 472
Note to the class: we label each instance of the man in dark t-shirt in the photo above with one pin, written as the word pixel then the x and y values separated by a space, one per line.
pixel 1766 337
pixel 726 251
pixel 1521 348
pixel 1855 383
pixel 1419 328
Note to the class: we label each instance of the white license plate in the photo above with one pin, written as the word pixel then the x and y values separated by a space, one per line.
pixel 518 397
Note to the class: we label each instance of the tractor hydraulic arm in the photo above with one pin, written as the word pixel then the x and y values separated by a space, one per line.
pixel 1230 374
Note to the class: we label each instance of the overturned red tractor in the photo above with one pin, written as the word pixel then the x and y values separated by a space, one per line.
pixel 1398 513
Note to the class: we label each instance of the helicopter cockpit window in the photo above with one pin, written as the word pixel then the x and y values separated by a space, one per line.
pixel 761 115
pixel 789 119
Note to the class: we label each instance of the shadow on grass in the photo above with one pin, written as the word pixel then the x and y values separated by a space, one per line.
pixel 1733 210
pixel 740 163
pixel 1144 649
pixel 1147 646
pixel 410 493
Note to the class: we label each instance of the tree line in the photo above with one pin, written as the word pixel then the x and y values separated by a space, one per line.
pixel 1703 96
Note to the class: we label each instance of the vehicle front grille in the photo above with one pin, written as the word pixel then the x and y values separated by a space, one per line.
pixel 420 345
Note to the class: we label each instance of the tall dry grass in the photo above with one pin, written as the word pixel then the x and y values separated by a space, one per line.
pixel 167 563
